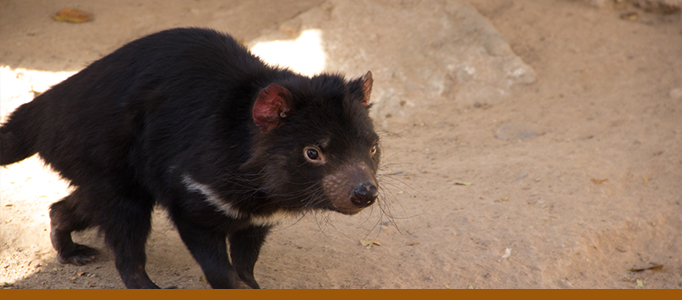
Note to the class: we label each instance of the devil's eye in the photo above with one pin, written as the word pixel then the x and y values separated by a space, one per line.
pixel 312 154
pixel 373 150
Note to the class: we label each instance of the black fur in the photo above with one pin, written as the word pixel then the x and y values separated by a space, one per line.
pixel 185 117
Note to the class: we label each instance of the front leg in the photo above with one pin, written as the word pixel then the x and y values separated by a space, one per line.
pixel 209 249
pixel 245 247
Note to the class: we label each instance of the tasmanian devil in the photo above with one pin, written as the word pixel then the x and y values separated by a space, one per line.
pixel 189 119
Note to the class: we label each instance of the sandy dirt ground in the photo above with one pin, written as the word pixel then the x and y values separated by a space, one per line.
pixel 572 181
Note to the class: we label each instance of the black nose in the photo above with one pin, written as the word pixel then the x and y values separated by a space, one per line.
pixel 364 195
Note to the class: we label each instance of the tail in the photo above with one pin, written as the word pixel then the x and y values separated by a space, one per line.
pixel 19 134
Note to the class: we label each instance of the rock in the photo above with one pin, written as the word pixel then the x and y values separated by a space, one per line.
pixel 659 6
pixel 416 50
pixel 664 7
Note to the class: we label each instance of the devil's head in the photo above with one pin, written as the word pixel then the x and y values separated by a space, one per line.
pixel 316 143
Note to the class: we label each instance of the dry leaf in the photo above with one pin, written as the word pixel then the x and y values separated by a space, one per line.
pixel 367 243
pixel 654 267
pixel 640 283
pixel 630 15
pixel 463 183
pixel 72 15
pixel 598 181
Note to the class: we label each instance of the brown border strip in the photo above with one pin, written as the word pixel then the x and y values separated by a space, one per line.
pixel 337 294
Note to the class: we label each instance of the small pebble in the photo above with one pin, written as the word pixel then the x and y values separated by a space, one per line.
pixel 516 132
pixel 507 253
pixel 676 93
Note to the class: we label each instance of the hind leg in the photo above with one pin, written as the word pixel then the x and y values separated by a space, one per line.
pixel 66 216
pixel 126 226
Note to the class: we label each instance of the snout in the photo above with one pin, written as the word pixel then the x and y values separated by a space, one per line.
pixel 351 188
pixel 364 195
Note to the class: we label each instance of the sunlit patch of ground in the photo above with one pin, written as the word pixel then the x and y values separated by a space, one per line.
pixel 304 55
pixel 19 85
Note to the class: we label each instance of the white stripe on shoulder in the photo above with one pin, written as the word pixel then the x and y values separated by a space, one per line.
pixel 212 198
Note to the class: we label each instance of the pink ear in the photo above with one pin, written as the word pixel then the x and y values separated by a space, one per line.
pixel 367 82
pixel 270 107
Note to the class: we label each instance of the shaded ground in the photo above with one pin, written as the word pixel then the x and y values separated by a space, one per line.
pixel 590 189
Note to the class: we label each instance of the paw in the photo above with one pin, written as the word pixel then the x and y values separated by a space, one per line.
pixel 242 285
pixel 79 255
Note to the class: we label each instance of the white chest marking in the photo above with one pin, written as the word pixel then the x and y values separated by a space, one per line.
pixel 226 208
pixel 212 198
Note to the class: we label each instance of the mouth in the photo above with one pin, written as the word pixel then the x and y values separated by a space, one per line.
pixel 347 210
